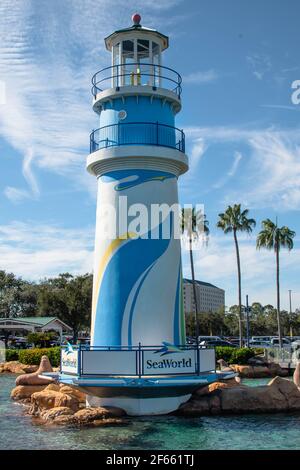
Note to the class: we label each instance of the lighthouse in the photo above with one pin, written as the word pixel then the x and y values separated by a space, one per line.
pixel 137 358
pixel 137 155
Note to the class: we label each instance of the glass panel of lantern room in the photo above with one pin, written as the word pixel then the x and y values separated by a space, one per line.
pixel 144 69
pixel 128 60
pixel 156 63
pixel 115 63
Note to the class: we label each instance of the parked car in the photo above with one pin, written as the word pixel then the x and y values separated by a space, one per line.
pixel 275 342
pixel 217 342
pixel 265 339
pixel 209 338
pixel 295 344
pixel 259 344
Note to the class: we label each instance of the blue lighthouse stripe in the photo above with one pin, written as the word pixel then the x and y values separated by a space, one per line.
pixel 177 335
pixel 139 254
pixel 134 302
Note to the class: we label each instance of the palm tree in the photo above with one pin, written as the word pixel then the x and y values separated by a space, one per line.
pixel 235 220
pixel 193 223
pixel 274 238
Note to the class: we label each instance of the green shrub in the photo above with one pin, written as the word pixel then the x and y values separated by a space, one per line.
pixel 12 354
pixel 33 356
pixel 235 355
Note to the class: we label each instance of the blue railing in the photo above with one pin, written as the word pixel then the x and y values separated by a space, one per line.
pixel 137 74
pixel 137 133
pixel 133 360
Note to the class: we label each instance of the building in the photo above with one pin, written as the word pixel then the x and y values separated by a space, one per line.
pixel 210 298
pixel 33 325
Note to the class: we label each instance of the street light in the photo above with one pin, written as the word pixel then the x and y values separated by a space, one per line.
pixel 290 297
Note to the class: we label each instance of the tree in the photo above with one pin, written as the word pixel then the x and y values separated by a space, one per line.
pixel 235 220
pixel 41 339
pixel 193 223
pixel 274 238
pixel 69 298
pixel 10 287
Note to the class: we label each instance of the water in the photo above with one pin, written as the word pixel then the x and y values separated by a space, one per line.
pixel 277 431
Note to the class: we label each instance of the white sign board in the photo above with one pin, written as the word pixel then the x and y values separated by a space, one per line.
pixel 69 362
pixel 207 360
pixel 160 363
pixel 109 362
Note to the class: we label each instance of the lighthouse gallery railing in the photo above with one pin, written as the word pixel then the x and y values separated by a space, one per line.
pixel 137 74
pixel 137 133
pixel 137 361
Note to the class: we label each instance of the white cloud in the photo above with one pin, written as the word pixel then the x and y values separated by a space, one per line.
pixel 260 64
pixel 231 172
pixel 48 54
pixel 204 76
pixel 16 195
pixel 217 264
pixel 271 176
pixel 34 251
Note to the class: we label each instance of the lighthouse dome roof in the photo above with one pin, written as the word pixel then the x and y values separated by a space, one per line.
pixel 134 31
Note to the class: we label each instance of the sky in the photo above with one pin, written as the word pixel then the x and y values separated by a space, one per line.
pixel 238 60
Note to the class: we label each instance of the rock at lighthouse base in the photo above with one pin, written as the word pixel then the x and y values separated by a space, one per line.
pixel 280 395
pixel 36 378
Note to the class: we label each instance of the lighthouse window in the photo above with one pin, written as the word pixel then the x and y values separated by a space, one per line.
pixel 128 51
pixel 156 62
pixel 127 59
pixel 155 53
pixel 143 49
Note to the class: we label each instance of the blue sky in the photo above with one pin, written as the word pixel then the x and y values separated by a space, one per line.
pixel 238 59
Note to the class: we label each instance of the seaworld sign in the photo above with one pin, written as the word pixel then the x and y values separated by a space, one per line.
pixel 69 361
pixel 179 362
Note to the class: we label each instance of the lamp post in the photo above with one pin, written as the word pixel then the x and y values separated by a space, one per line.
pixel 247 318
pixel 290 299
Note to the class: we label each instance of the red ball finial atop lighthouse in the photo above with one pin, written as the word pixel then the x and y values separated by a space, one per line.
pixel 136 18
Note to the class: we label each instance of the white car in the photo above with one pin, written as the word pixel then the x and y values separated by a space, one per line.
pixel 285 342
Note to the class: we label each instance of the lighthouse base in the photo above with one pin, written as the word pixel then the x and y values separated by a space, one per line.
pixel 140 406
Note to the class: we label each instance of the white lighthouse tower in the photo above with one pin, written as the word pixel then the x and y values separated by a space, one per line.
pixel 137 155
pixel 137 359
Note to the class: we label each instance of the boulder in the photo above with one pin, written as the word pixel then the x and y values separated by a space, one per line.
pixel 54 387
pixel 89 415
pixel 62 420
pixel 16 367
pixel 35 378
pixel 280 395
pixel 24 392
pixel 296 376
pixel 216 386
pixel 276 369
pixel 257 361
pixel 73 392
pixel 48 399
pixel 289 390
pixel 198 407
pixel 259 372
pixel 53 413
pixel 224 367
pixel 243 371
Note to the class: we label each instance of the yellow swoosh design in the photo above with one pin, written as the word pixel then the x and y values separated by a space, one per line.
pixel 113 246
